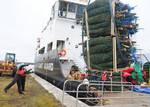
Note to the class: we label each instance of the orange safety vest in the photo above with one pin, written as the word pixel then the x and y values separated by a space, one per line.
pixel 21 72
pixel 104 76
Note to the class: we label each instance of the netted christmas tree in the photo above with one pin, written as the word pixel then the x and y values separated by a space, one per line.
pixel 100 41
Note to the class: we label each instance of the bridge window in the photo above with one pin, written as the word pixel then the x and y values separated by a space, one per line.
pixel 63 9
pixel 60 44
pixel 80 11
pixel 72 7
pixel 53 11
pixel 70 10
pixel 49 46
pixel 42 50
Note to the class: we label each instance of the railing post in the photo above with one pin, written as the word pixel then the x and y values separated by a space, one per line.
pixel 77 94
pixel 103 83
pixel 64 92
pixel 122 87
pixel 111 84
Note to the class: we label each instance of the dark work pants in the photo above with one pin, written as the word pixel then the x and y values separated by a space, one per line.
pixel 23 80
pixel 17 79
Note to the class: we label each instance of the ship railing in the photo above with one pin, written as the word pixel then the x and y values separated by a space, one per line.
pixel 103 92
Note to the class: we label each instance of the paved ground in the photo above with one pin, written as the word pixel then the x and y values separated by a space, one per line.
pixel 35 95
pixel 127 99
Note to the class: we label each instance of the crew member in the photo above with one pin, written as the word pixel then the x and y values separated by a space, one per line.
pixel 23 78
pixel 17 79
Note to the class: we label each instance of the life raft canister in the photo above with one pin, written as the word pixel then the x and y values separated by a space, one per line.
pixel 62 53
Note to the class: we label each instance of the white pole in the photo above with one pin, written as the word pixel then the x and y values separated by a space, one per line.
pixel 88 37
pixel 113 36
pixel 112 4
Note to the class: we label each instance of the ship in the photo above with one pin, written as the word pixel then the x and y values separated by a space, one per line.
pixel 63 44
pixel 60 44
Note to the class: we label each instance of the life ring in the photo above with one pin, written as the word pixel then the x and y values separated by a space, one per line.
pixel 62 53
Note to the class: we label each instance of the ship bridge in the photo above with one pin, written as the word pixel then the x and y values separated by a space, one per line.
pixel 83 2
pixel 59 46
pixel 70 9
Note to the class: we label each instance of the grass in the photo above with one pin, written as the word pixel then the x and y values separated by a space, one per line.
pixel 35 95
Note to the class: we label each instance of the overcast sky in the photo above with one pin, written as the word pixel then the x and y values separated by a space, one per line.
pixel 21 22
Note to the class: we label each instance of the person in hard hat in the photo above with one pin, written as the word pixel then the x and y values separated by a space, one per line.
pixel 23 78
pixel 17 79
pixel 104 76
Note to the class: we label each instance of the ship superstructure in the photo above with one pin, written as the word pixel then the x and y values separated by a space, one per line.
pixel 60 44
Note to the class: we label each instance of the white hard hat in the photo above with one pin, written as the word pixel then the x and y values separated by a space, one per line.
pixel 86 81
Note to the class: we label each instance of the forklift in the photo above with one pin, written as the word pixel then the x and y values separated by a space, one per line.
pixel 6 66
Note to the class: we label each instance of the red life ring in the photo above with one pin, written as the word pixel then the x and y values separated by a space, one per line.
pixel 62 52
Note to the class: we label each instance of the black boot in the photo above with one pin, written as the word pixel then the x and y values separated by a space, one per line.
pixel 5 90
pixel 21 93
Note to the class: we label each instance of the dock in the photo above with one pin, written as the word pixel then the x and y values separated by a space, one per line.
pixel 40 93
